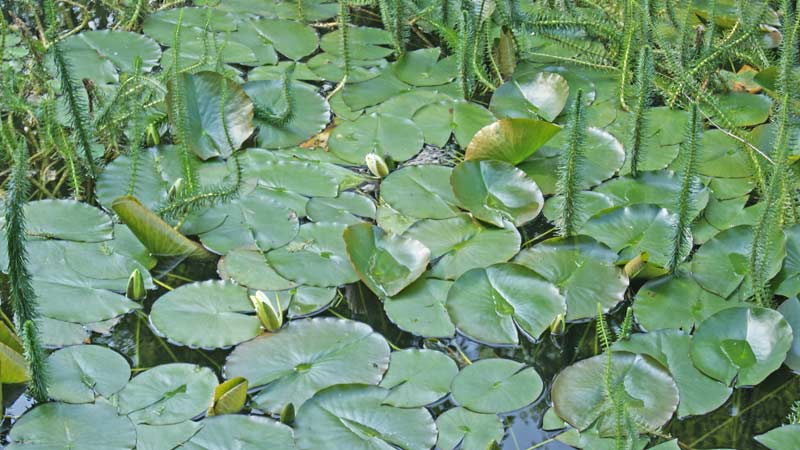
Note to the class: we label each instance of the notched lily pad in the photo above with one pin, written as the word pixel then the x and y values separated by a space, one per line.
pixel 496 385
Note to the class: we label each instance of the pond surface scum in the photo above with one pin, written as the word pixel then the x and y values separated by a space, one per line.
pixel 399 224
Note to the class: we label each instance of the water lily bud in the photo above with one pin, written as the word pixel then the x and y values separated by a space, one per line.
pixel 376 165
pixel 271 317
pixel 175 188
pixel 287 414
pixel 136 290
pixel 558 325
pixel 493 446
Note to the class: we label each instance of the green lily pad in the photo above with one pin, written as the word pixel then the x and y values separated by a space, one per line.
pixel 385 263
pixel 77 221
pixel 79 373
pixel 510 140
pixel 310 112
pixel 420 308
pixel 788 280
pixel 579 392
pixel 699 394
pixel 496 191
pixel 461 243
pixel 331 67
pixel 790 309
pixel 307 356
pixel 222 310
pixel 365 43
pixel 149 185
pixel 61 425
pixel 231 431
pixel 375 91
pixel 250 268
pixel 12 357
pixel 161 25
pixel 489 304
pixel 348 207
pixel 496 385
pixel 423 68
pixel 421 191
pixel 290 38
pixel 355 417
pixel 418 377
pixel 447 117
pixel 165 437
pixel 741 345
pixel 382 134
pixel 574 265
pixel 317 257
pixel 531 97
pixel 744 109
pixel 99 55
pixel 219 114
pixel 305 301
pixel 168 394
pixel 786 437
pixel 308 178
pixel 467 430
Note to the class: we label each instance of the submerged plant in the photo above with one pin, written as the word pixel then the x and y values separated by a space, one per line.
pixel 644 75
pixel 682 236
pixel 568 185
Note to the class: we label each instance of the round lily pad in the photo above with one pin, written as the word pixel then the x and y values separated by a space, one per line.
pixel 221 309
pixel 231 431
pixel 786 437
pixel 250 268
pixel 496 191
pixel 790 309
pixel 290 38
pixel 307 356
pixel 418 377
pixel 447 117
pixel 579 392
pixel 160 437
pixel 77 221
pixel 355 417
pixel 532 96
pixel 98 55
pixel 61 426
pixel 373 43
pixel 385 263
pixel 382 134
pixel 741 345
pixel 423 192
pixel 510 140
pixel 423 68
pixel 348 207
pixel 168 394
pixel 496 385
pixel 420 308
pixel 467 430
pixel 79 373
pixel 489 304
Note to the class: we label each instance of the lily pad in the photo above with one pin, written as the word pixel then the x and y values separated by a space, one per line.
pixel 420 308
pixel 307 356
pixel 250 268
pixel 744 109
pixel 489 304
pixel 79 373
pixel 382 134
pixel 531 97
pixel 418 377
pixel 423 192
pixel 60 425
pixel 78 222
pixel 741 345
pixel 496 385
pixel 366 43
pixel 451 117
pixel 790 309
pixel 467 430
pixel 168 394
pixel 165 437
pixel 786 437
pixel 290 38
pixel 99 55
pixel 423 68
pixel 348 207
pixel 355 417
pixel 510 140
pixel 385 263
pixel 496 191
pixel 222 310
pixel 238 431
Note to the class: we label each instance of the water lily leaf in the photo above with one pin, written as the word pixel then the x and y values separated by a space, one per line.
pixel 348 208
pixel 461 243
pixel 590 439
pixel 99 55
pixel 604 156
pixel 489 304
pixel 786 437
pixel 229 397
pixel 496 385
pixel 790 309
pixel 660 188
pixel 510 140
pixel 317 10
pixel 742 345
pixel 423 68
pixel 306 301
pixel 699 394
pixel 743 109
pixel 58 333
pixel 366 43
pixel 232 431
pixel 158 236
pixel 579 393
pixel 721 265
pixel 633 230
pixel 309 115
pixel 307 356
pixel 385 263
pixel 222 310
pixel 168 394
pixel 382 134
pixel 165 437
pixel 720 155
pixel 149 185
pixel 420 308
pixel 788 280
pixel 250 268
pixel 418 377
pixel 300 73
pixel 574 265
pixel 375 91
pixel 161 25
pixel 467 430
pixel 290 38
pixel 219 114
pixel 307 178
pixel 79 304
pixel 330 67
pixel 531 97
pixel 421 191
pixel 61 425
pixel 79 373
pixel 676 301
pixel 496 191
pixel 317 257
pixel 451 117
pixel 77 221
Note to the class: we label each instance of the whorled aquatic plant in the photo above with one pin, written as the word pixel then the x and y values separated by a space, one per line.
pixel 644 75
pixel 682 232
pixel 179 112
pixel 568 183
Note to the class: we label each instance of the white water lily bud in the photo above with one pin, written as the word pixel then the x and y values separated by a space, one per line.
pixel 271 318
pixel 558 325
pixel 135 290
pixel 376 165
pixel 175 188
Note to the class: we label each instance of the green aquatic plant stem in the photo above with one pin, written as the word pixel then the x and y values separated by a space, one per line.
pixel 568 183
pixel 629 30
pixel 682 232
pixel 179 111
pixel 644 75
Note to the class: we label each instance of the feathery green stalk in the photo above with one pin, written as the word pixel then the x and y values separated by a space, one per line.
pixel 281 118
pixel 644 73
pixel 183 203
pixel 465 43
pixel 21 294
pixel 682 234
pixel 567 186
pixel 58 138
pixel 344 37
pixel 394 17
pixel 178 109
pixel 138 129
pixel 625 53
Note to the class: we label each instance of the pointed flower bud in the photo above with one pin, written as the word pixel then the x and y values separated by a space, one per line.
pixel 136 290
pixel 377 165
pixel 271 317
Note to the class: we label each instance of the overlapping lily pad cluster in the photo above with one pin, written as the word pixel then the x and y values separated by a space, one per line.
pixel 272 113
